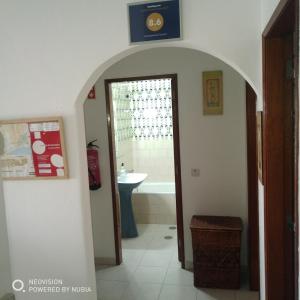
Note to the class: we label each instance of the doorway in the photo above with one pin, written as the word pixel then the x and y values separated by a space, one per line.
pixel 280 139
pixel 215 145
pixel 142 110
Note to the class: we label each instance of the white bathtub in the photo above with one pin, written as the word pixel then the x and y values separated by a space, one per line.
pixel 156 188
pixel 155 203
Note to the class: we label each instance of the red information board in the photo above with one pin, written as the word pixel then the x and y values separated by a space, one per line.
pixel 47 151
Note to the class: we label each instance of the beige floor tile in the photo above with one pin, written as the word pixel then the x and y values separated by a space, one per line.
pixel 247 295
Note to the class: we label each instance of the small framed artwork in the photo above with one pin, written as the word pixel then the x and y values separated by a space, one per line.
pixel 212 93
pixel 259 133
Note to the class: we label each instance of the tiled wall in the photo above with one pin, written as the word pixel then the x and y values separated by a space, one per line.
pixel 143 127
pixel 122 124
pixel 154 208
pixel 154 157
pixel 122 118
pixel 125 155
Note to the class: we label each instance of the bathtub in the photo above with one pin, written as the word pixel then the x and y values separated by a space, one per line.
pixel 155 203
pixel 156 188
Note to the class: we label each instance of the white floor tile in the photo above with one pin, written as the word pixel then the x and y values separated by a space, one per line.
pixel 147 228
pixel 111 290
pixel 151 271
pixel 150 274
pixel 247 295
pixel 118 273
pixel 159 243
pixel 100 269
pixel 175 263
pixel 132 256
pixel 165 229
pixel 162 242
pixel 173 292
pixel 179 277
pixel 156 258
pixel 165 232
pixel 142 291
pixel 140 242
pixel 210 294
pixel 153 228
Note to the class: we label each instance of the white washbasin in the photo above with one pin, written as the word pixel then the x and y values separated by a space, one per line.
pixel 132 178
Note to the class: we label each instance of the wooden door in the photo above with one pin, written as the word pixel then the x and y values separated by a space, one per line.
pixel 253 221
pixel 281 151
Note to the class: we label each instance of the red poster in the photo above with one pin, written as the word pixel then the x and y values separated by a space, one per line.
pixel 92 93
pixel 46 149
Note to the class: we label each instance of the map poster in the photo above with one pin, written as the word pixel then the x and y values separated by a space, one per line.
pixel 32 149
pixel 15 151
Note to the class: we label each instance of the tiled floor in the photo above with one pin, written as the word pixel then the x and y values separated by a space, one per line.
pixel 150 271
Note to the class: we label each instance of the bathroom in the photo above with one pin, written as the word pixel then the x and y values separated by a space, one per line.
pixel 144 144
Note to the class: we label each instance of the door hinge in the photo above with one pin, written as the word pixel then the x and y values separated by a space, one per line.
pixel 290 70
pixel 293 115
pixel 291 224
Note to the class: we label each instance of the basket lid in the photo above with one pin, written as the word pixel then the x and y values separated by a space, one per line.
pixel 216 223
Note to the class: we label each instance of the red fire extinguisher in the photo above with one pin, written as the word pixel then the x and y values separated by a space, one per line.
pixel 93 166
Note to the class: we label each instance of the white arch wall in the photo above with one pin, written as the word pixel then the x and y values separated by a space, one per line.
pixel 49 49
pixel 5 276
pixel 215 144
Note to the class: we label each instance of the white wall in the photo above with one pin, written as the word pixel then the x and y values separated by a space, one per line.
pixel 51 54
pixel 101 202
pixel 5 276
pixel 215 144
pixel 267 9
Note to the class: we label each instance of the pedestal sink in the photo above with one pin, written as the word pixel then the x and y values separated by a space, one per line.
pixel 127 182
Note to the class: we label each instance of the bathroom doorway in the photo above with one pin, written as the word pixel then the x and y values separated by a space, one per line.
pixel 143 133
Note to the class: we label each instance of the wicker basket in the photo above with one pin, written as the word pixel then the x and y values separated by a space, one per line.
pixel 216 251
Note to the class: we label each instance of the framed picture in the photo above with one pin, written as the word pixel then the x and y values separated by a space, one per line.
pixel 212 93
pixel 32 149
pixel 154 21
pixel 259 132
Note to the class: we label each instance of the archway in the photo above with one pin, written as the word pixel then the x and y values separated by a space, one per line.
pixel 110 63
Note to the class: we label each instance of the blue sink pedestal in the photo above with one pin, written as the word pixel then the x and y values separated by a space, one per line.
pixel 128 224
pixel 126 183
